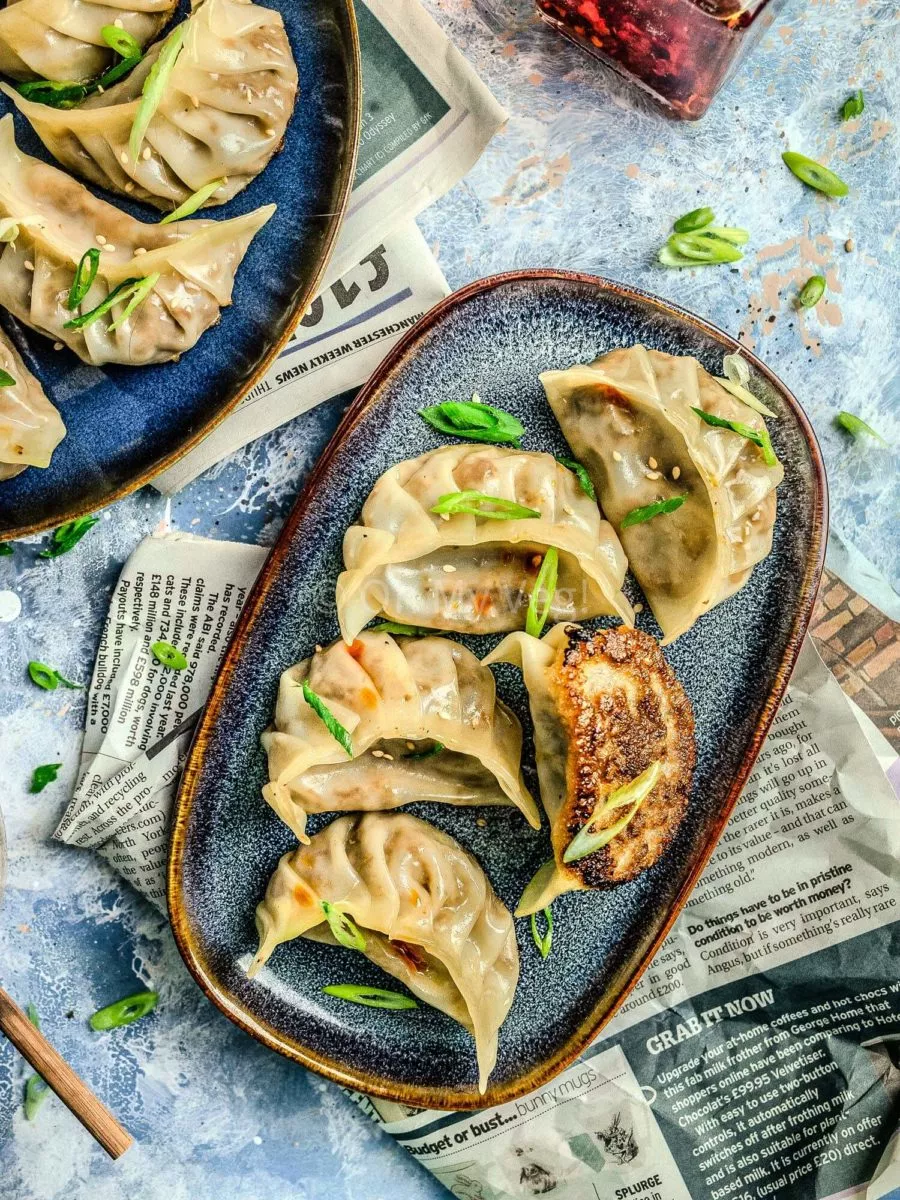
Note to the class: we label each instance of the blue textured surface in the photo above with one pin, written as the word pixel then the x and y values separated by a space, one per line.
pixel 585 177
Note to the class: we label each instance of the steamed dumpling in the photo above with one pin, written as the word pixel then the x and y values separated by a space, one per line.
pixel 427 912
pixel 636 405
pixel 59 220
pixel 62 40
pixel 399 700
pixel 607 708
pixel 223 114
pixel 30 427
pixel 470 573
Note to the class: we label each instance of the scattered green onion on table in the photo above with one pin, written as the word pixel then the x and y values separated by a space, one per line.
pixel 856 426
pixel 170 656
pixel 814 175
pixel 124 1012
pixel 67 536
pixel 42 777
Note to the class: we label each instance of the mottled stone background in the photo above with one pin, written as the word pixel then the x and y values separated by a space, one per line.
pixel 584 176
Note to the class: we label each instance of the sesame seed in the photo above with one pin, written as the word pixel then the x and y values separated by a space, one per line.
pixel 270 133
pixel 676 472
pixel 110 247
pixel 142 250
pixel 57 345
pixel 410 745
pixel 449 569
pixel 570 512
pixel 756 516
pixel 100 89
pixel 617 457
pixel 129 187
pixel 653 474
pixel 100 239
pixel 378 754
pixel 639 608
pixel 145 153
pixel 123 157
pixel 389 757
pixel 849 245
pixel 481 822
pixel 29 266
pixel 119 23
pixel 195 100
pixel 445 516
pixel 651 462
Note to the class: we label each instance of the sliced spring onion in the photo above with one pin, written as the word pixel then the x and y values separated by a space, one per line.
pixel 474 421
pixel 737 377
pixel 638 516
pixel 583 478
pixel 124 43
pixel 811 292
pixel 124 1012
pixel 48 678
pixel 814 175
pixel 36 1092
pixel 138 296
pixel 544 942
pixel 68 536
pixel 400 630
pixel 704 246
pixel 547 576
pixel 436 749
pixel 478 504
pixel 194 202
pixel 85 274
pixel 42 776
pixel 328 719
pixel 853 106
pixel 119 293
pixel 759 437
pixel 169 656
pixel 631 795
pixel 856 425
pixel 345 930
pixel 6 380
pixel 6 550
pixel 371 997
pixel 155 87
pixel 697 218
pixel 54 94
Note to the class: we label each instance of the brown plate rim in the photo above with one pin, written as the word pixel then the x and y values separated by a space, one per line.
pixel 348 174
pixel 609 1003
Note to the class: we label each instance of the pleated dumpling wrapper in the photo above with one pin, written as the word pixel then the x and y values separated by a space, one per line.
pixel 614 738
pixel 63 39
pixel 631 419
pixel 419 720
pixel 171 281
pixel 221 117
pixel 30 427
pixel 426 911
pixel 473 566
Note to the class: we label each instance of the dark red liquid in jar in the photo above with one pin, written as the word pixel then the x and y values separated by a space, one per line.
pixel 681 51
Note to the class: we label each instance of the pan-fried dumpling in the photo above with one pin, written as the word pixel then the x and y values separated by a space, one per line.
pixel 629 418
pixel 425 908
pixel 190 266
pixel 614 736
pixel 476 573
pixel 424 723
pixel 223 114
pixel 30 427
pixel 62 39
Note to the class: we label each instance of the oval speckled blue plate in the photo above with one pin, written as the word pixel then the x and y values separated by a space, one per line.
pixel 127 425
pixel 494 338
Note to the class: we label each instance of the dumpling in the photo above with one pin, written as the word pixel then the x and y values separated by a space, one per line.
pixel 608 712
pixel 223 114
pixel 476 573
pixel 424 723
pixel 425 908
pixel 629 418
pixel 61 39
pixel 30 427
pixel 187 268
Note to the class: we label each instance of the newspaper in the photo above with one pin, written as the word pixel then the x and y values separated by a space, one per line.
pixel 426 119
pixel 759 1056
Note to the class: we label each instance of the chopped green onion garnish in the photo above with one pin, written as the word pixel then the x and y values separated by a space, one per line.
pixel 155 87
pixel 41 776
pixel 49 679
pixel 115 73
pixel 704 246
pixel 328 719
pixel 697 218
pixel 6 550
pixel 737 377
pixel 583 478
pixel 814 175
pixel 853 106
pixel 6 380
pixel 811 292
pixel 139 288
pixel 856 426
pixel 194 202
pixel 400 630
pixel 123 1012
pixel 759 437
pixel 36 1092
pixel 344 929
pixel 638 516
pixel 547 576
pixel 54 94
pixel 474 421
pixel 85 274
pixel 371 997
pixel 632 795
pixel 138 296
pixel 124 43
pixel 169 656
pixel 68 536
pixel 543 942
pixel 436 749
pixel 479 504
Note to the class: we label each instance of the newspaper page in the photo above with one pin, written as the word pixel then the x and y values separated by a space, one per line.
pixel 759 1056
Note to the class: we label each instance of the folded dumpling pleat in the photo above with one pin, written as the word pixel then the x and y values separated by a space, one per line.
pixel 30 427
pixel 629 417
pixel 222 116
pixel 424 906
pixel 474 574
pixel 57 220
pixel 424 722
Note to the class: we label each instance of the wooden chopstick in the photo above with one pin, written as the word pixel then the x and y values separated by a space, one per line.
pixel 73 1092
